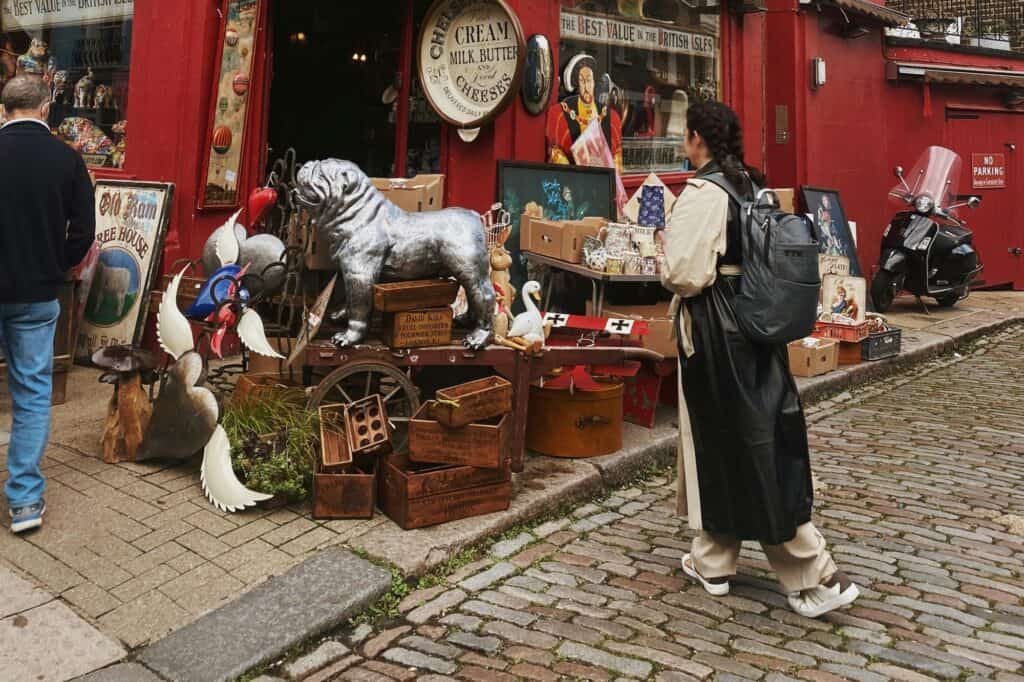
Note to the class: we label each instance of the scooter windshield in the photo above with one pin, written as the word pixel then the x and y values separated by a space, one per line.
pixel 935 175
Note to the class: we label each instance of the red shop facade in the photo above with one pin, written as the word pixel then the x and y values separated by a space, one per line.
pixel 334 79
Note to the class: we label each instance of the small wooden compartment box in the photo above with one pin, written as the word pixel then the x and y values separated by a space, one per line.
pixel 335 455
pixel 418 329
pixel 812 361
pixel 366 425
pixel 851 333
pixel 882 345
pixel 418 495
pixel 400 297
pixel 484 444
pixel 349 493
pixel 474 401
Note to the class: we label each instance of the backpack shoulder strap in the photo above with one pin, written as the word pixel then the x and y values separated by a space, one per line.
pixel 719 180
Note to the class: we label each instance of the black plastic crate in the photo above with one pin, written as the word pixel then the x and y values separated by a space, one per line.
pixel 882 345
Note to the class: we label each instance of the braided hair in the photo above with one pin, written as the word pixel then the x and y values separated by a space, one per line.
pixel 720 128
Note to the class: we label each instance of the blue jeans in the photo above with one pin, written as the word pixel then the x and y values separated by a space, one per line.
pixel 26 339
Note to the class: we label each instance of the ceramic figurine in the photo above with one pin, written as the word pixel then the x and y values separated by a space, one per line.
pixel 117 154
pixel 38 61
pixel 501 263
pixel 84 89
pixel 104 98
pixel 527 332
pixel 370 238
pixel 61 82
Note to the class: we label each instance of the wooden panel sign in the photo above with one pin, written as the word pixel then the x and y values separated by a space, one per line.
pixel 988 171
pixel 418 328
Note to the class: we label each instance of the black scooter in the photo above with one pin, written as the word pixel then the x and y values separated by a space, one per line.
pixel 927 250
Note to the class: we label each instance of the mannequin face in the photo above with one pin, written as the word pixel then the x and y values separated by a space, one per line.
pixel 586 85
pixel 695 148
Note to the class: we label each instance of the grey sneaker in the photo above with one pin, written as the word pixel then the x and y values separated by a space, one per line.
pixel 27 518
pixel 838 592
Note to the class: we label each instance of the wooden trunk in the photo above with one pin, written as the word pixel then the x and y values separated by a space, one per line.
pixel 334 452
pixel 415 496
pixel 348 494
pixel 398 297
pixel 579 424
pixel 473 402
pixel 418 329
pixel 367 430
pixel 484 445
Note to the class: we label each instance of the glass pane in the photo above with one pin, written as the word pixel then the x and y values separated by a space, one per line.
pixel 83 54
pixel 634 66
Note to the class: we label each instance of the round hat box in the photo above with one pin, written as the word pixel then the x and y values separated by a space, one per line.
pixel 575 424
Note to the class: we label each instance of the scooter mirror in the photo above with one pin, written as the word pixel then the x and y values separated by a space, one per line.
pixel 899 171
pixel 974 202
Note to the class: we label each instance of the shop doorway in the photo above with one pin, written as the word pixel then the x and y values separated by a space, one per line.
pixel 998 223
pixel 336 78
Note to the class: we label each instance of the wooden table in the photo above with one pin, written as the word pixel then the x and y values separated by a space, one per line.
pixel 598 280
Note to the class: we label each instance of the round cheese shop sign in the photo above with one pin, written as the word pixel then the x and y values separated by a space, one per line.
pixel 471 56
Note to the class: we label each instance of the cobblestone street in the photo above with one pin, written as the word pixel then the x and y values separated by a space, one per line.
pixel 918 494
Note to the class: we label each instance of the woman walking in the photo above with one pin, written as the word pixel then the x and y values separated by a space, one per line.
pixel 744 465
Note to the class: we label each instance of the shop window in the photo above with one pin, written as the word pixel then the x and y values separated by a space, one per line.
pixel 637 65
pixel 83 54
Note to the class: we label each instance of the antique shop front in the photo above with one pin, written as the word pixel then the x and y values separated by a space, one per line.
pixel 216 91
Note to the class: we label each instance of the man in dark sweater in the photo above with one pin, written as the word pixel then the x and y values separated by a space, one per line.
pixel 47 224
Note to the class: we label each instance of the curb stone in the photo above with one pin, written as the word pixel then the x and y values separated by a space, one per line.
pixel 259 626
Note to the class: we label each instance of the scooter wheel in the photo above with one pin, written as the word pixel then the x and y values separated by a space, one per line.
pixel 884 288
pixel 949 300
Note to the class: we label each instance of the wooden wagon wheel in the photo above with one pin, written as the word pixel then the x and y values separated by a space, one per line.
pixel 356 380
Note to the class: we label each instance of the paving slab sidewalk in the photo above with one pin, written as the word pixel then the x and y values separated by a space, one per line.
pixel 138 552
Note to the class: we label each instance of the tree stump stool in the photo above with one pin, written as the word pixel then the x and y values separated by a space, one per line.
pixel 129 410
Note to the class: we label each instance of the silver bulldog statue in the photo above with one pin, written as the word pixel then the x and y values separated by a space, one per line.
pixel 371 240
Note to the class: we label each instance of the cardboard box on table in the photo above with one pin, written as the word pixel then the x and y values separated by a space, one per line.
pixel 417 194
pixel 559 239
pixel 659 325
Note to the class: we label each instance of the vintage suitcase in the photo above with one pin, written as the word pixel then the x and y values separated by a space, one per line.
pixel 484 444
pixel 575 424
pixel 473 402
pixel 418 495
pixel 400 297
pixel 350 493
pixel 419 328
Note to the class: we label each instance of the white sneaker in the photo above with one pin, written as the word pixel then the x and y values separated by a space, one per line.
pixel 817 601
pixel 715 589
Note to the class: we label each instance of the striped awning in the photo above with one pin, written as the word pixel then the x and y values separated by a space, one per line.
pixel 869 10
pixel 954 75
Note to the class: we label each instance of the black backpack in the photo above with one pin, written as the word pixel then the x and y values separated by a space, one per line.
pixel 781 282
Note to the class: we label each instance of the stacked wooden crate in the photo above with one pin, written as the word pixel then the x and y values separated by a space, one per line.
pixel 459 459
pixel 416 314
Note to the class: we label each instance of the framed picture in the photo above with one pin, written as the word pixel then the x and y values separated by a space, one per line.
pixel 131 224
pixel 228 120
pixel 561 192
pixel 826 210
pixel 845 296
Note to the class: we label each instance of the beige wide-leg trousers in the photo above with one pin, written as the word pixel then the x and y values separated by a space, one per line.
pixel 800 564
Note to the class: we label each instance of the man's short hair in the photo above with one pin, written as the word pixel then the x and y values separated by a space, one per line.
pixel 25 93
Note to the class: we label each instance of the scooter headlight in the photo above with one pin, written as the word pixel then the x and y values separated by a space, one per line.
pixel 924 204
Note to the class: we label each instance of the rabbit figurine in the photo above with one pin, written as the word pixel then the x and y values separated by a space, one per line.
pixel 501 278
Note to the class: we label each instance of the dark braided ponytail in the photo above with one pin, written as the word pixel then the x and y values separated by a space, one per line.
pixel 720 128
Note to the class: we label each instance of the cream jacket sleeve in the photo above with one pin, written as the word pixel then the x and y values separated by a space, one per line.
pixel 694 238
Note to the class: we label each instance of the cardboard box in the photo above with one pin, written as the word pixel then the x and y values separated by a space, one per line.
pixel 787 199
pixel 805 361
pixel 561 239
pixel 659 326
pixel 420 193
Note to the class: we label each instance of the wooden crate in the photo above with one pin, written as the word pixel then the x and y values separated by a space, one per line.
pixel 334 453
pixel 484 444
pixel 348 494
pixel 415 496
pixel 398 297
pixel 254 384
pixel 419 328
pixel 473 402
pixel 367 429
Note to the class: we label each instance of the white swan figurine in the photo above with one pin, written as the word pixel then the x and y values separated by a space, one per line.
pixel 527 332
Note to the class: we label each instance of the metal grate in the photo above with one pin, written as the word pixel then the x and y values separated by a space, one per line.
pixel 993 24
